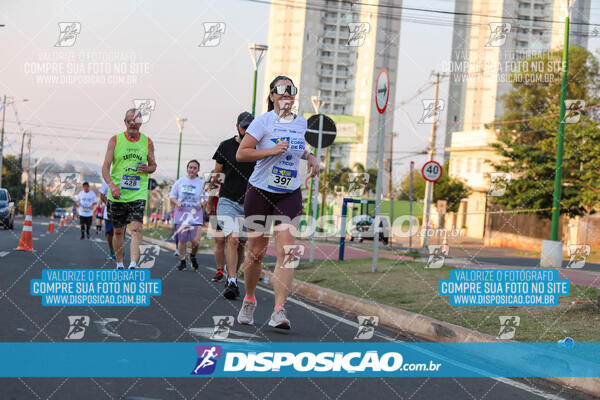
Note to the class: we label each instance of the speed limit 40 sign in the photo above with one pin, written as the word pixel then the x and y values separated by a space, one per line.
pixel 432 171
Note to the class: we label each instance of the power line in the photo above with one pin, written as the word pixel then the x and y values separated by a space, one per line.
pixel 399 17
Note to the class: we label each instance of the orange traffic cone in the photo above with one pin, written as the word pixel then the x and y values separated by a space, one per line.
pixel 51 226
pixel 26 242
pixel 62 221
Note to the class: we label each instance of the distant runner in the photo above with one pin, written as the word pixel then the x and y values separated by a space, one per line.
pixel 131 155
pixel 86 200
pixel 99 216
pixel 230 209
pixel 108 227
pixel 186 197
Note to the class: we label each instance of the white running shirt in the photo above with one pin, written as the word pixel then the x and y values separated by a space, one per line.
pixel 278 174
pixel 86 203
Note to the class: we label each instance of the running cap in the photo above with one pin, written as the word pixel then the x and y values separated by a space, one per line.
pixel 244 119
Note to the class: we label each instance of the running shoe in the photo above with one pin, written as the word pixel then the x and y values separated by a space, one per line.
pixel 131 267
pixel 246 314
pixel 194 262
pixel 279 319
pixel 120 267
pixel 82 237
pixel 231 291
pixel 182 265
pixel 176 253
pixel 218 276
pixel 111 256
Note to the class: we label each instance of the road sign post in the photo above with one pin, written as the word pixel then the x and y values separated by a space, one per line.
pixel 319 138
pixel 382 95
pixel 432 172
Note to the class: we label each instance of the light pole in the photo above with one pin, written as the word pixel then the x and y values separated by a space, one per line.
pixel 257 52
pixel 4 104
pixel 180 123
pixel 552 249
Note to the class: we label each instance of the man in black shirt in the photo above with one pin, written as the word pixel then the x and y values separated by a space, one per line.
pixel 230 208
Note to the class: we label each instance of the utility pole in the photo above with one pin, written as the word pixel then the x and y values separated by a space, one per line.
pixel 552 249
pixel 429 185
pixel 28 166
pixel 390 194
pixel 35 179
pixel 2 137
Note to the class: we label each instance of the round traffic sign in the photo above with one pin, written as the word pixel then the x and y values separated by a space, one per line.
pixel 312 131
pixel 382 90
pixel 432 171
pixel 152 184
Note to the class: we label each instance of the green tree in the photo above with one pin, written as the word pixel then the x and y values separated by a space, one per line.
pixel 528 147
pixel 448 188
pixel 11 177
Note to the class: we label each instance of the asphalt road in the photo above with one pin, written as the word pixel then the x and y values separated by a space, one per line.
pixel 183 313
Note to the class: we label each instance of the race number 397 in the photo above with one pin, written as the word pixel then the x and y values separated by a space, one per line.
pixel 432 171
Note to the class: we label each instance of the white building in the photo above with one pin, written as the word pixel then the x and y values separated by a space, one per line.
pixel 337 48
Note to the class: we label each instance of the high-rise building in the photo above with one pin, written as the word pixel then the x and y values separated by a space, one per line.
pixel 336 49
pixel 489 39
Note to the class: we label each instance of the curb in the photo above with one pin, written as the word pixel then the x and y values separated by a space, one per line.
pixel 416 324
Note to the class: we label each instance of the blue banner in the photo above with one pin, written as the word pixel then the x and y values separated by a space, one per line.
pixel 504 287
pixel 365 359
pixel 95 287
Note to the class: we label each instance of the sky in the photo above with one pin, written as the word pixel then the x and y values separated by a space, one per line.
pixel 151 50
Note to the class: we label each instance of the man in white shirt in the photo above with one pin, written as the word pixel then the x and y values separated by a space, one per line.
pixel 86 201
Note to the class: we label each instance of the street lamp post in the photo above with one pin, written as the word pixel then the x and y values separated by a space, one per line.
pixel 180 123
pixel 257 52
pixel 552 249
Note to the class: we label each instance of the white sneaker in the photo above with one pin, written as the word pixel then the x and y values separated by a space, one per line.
pixel 246 314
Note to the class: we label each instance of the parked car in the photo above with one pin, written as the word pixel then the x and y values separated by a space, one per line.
pixel 7 210
pixel 361 229
pixel 60 212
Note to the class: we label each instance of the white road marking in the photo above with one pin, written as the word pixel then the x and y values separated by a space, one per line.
pixel 208 332
pixel 101 325
pixel 3 253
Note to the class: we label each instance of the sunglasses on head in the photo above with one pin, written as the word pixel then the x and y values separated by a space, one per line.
pixel 281 89
pixel 137 120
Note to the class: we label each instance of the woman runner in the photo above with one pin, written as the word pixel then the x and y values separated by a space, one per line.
pixel 275 140
pixel 186 197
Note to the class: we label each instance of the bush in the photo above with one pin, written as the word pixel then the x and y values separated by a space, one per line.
pixel 46 205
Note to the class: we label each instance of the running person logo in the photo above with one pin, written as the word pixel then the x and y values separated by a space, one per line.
pixel 577 255
pixel 357 183
pixel 223 323
pixel 148 255
pixel 145 106
pixel 499 182
pixel 187 222
pixel 574 109
pixel 212 34
pixel 68 32
pixel 358 33
pixel 508 326
pixel 431 111
pixel 366 326
pixel 207 359
pixel 77 325
pixel 293 254
pixel 498 33
pixel 437 255
pixel 68 183
pixel 214 181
